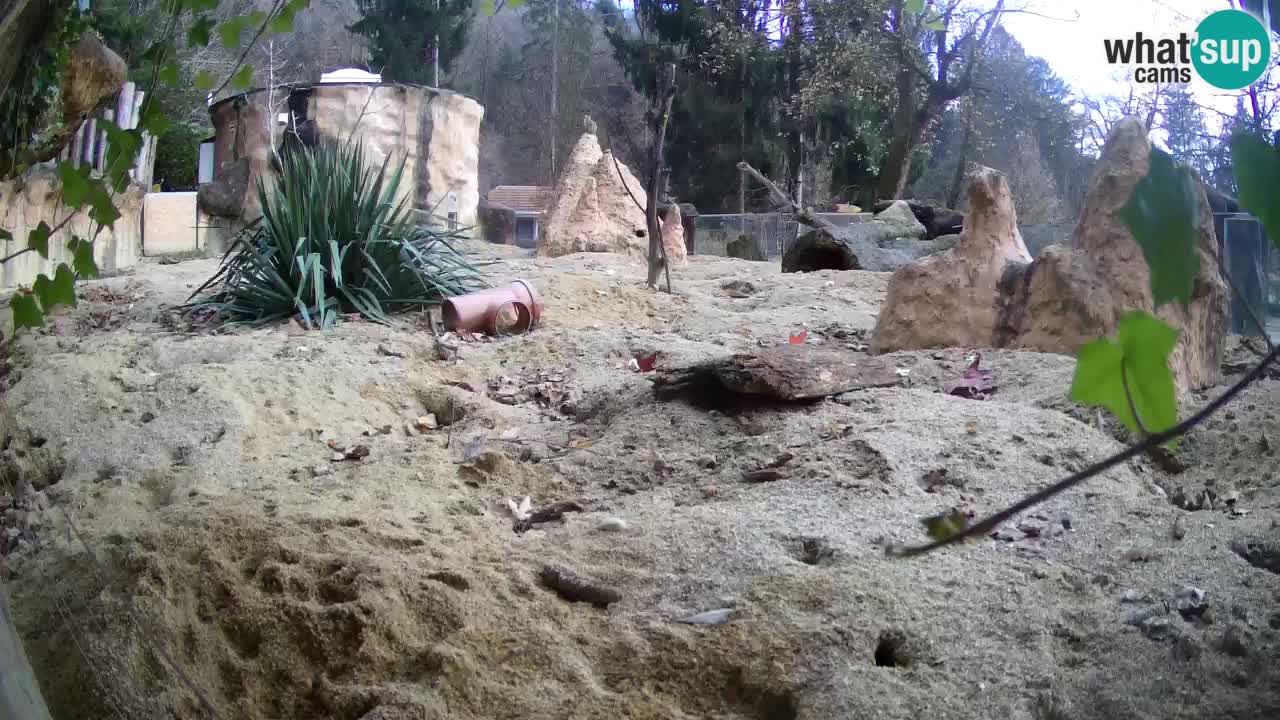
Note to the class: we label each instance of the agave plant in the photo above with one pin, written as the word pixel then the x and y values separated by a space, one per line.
pixel 333 240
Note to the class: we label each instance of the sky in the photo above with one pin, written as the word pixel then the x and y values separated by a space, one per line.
pixel 1070 39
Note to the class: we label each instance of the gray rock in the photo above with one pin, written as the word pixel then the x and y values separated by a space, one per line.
pixel 612 524
pixel 899 217
pixel 1158 628
pixel 1130 596
pixel 1141 616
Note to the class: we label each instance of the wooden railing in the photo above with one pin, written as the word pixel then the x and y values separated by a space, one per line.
pixel 89 146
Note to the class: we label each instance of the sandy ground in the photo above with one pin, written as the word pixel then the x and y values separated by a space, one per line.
pixel 236 569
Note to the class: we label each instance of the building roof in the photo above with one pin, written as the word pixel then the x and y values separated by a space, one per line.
pixel 522 198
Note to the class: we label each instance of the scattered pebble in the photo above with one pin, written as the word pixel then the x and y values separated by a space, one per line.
pixel 612 524
pixel 710 617
pixel 1186 648
pixel 391 351
pixel 426 422
pixel 322 470
pixel 1130 597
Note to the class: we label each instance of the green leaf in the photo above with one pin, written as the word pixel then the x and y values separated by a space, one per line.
pixel 157 51
pixel 1257 171
pixel 204 5
pixel 1142 354
pixel 936 24
pixel 943 526
pixel 75 184
pixel 230 31
pixel 38 239
pixel 154 120
pixel 205 80
pixel 198 34
pixel 243 77
pixel 5 235
pixel 914 7
pixel 170 74
pixel 26 313
pixel 283 22
pixel 487 8
pixel 122 155
pixel 1163 213
pixel 82 261
pixel 60 290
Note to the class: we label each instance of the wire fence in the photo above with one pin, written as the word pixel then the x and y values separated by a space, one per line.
pixel 755 236
pixel 1254 271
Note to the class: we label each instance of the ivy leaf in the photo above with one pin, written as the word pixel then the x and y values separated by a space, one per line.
pixel 944 525
pixel 283 22
pixel 154 120
pixel 5 235
pixel 122 155
pixel 1257 171
pixel 205 5
pixel 914 7
pixel 1163 214
pixel 198 34
pixel 26 313
pixel 205 80
pixel 82 261
pixel 61 290
pixel 170 74
pixel 156 51
pixel 230 31
pixel 1142 354
pixel 38 239
pixel 75 184
pixel 243 77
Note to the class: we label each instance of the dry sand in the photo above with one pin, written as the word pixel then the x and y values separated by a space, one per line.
pixel 230 553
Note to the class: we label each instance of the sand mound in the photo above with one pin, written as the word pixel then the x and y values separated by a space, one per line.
pixel 233 550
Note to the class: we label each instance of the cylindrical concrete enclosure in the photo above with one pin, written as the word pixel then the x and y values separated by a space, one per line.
pixel 436 133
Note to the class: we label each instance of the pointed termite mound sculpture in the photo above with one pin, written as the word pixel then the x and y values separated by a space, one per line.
pixel 985 292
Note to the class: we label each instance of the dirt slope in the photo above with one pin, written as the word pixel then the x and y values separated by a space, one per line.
pixel 230 549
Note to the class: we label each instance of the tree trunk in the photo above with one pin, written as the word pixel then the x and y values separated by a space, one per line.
pixel 657 251
pixel 957 180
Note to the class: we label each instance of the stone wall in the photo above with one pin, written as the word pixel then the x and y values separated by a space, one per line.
pixel 36 197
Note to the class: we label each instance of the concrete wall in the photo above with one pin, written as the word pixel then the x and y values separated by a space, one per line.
pixel 36 197
pixel 170 225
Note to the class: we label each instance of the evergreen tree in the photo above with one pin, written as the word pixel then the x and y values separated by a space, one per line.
pixel 402 35
pixel 1185 129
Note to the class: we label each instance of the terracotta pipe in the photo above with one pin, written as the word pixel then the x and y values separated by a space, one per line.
pixel 486 310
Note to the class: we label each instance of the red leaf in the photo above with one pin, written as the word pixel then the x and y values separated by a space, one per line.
pixel 799 338
pixel 646 362
pixel 976 383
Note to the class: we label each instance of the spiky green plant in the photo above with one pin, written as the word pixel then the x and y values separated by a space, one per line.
pixel 333 240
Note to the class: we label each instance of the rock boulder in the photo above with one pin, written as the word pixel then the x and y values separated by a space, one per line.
pixel 986 291
pixel 596 205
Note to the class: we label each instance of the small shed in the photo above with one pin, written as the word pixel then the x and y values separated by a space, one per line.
pixel 530 203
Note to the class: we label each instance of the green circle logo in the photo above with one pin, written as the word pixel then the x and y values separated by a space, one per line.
pixel 1232 49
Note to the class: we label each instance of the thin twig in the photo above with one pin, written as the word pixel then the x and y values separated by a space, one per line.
pixel 1133 407
pixel 992 522
pixel 275 10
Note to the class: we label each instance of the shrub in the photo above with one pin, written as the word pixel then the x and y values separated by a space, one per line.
pixel 332 240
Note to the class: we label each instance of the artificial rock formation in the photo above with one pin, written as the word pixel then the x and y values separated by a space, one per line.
pixel 596 207
pixel 673 235
pixel 952 299
pixel 986 292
